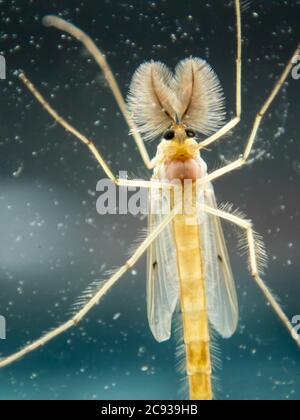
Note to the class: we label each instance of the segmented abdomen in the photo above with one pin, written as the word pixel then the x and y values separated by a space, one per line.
pixel 193 306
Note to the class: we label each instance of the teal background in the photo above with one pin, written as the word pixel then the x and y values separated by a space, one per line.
pixel 52 242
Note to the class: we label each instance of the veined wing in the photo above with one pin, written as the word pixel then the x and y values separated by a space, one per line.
pixel 162 282
pixel 222 303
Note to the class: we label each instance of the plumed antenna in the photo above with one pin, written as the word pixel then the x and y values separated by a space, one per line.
pixel 193 96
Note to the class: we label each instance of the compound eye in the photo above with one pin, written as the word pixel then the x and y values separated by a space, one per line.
pixel 169 135
pixel 190 133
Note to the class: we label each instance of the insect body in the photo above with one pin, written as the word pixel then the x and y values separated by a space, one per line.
pixel 187 102
pixel 188 263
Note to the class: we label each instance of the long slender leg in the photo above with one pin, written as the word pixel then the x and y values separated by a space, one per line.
pixel 235 121
pixel 257 122
pixel 65 26
pixel 89 143
pixel 99 57
pixel 253 262
pixel 95 299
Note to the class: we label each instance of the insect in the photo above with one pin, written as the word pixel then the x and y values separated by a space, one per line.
pixel 188 263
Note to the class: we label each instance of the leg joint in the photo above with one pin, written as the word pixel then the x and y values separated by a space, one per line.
pixel 129 264
pixel 249 226
pixel 75 321
pixel 254 274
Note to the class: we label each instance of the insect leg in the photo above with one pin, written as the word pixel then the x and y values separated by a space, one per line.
pixel 95 299
pixel 89 143
pixel 235 121
pixel 99 57
pixel 257 122
pixel 253 248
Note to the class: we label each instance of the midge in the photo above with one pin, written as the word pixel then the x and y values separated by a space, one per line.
pixel 188 264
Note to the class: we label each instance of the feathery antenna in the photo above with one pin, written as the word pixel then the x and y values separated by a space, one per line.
pixel 192 96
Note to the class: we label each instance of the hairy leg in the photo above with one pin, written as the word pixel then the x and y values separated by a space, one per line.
pixel 95 299
pixel 253 247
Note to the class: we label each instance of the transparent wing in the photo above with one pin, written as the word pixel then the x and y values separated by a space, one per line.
pixel 162 283
pixel 222 303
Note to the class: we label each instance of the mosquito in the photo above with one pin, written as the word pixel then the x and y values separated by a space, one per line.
pixel 188 262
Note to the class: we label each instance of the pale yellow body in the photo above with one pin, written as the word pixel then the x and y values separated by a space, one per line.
pixel 193 305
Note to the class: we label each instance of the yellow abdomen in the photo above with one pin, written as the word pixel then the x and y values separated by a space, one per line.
pixel 193 306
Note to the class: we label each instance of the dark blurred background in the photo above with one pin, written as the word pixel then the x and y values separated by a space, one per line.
pixel 52 242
